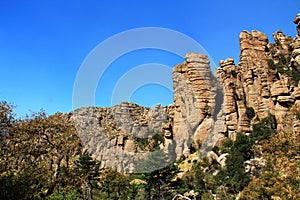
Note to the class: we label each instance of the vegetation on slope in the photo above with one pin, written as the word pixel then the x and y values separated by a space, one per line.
pixel 42 158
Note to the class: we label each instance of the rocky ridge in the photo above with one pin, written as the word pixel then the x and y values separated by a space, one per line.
pixel 207 109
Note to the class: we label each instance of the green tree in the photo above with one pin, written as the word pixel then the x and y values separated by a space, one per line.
pixel 280 178
pixel 113 185
pixel 88 169
pixel 234 176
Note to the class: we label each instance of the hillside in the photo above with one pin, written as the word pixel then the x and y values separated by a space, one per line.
pixel 234 134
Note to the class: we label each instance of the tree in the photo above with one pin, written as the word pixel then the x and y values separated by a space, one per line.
pixel 37 154
pixel 113 185
pixel 88 169
pixel 280 177
pixel 234 176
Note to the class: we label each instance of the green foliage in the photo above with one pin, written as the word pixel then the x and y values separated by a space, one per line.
pixel 264 129
pixel 141 142
pixel 283 67
pixel 42 151
pixel 234 176
pixel 88 170
pixel 296 76
pixel 250 112
pixel 35 155
pixel 112 185
pixel 271 64
pixel 233 73
pixel 157 140
pixel 64 194
pixel 151 142
pixel 195 179
pixel 216 149
pixel 280 177
pixel 225 148
pixel 159 183
pixel 88 167
pixel 15 187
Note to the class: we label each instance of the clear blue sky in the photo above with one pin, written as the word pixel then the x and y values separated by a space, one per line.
pixel 43 43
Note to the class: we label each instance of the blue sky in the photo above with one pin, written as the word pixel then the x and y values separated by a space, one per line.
pixel 43 43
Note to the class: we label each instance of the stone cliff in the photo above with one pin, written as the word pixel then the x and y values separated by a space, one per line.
pixel 194 101
pixel 207 109
pixel 265 79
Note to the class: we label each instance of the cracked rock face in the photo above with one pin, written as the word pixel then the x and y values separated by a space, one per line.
pixel 194 101
pixel 206 110
pixel 110 134
pixel 252 83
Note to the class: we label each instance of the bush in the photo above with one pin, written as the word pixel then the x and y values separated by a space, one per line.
pixel 233 73
pixel 250 112
pixel 64 194
pixel 282 67
pixel 264 130
pixel 234 176
pixel 141 142
pixel 216 149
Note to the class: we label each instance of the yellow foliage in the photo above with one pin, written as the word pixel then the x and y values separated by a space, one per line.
pixel 281 177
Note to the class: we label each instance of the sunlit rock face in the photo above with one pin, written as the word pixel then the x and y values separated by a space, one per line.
pixel 110 134
pixel 207 109
pixel 120 136
pixel 194 101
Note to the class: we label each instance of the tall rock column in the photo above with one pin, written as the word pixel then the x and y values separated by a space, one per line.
pixel 234 106
pixel 194 101
pixel 255 74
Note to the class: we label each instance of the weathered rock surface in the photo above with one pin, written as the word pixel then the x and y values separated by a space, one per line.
pixel 222 159
pixel 206 109
pixel 282 43
pixel 194 101
pixel 296 53
pixel 254 166
pixel 116 136
pixel 253 83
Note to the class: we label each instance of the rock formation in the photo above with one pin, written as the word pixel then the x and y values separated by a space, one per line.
pixel 206 109
pixel 194 101
pixel 262 80
pixel 122 135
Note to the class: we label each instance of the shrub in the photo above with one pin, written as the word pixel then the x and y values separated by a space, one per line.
pixel 234 176
pixel 250 112
pixel 233 73
pixel 264 129
pixel 141 142
pixel 216 149
pixel 282 67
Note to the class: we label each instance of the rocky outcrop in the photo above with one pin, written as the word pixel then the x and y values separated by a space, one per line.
pixel 247 84
pixel 296 45
pixel 194 101
pixel 255 76
pixel 296 53
pixel 254 83
pixel 282 44
pixel 254 166
pixel 206 109
pixel 122 135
